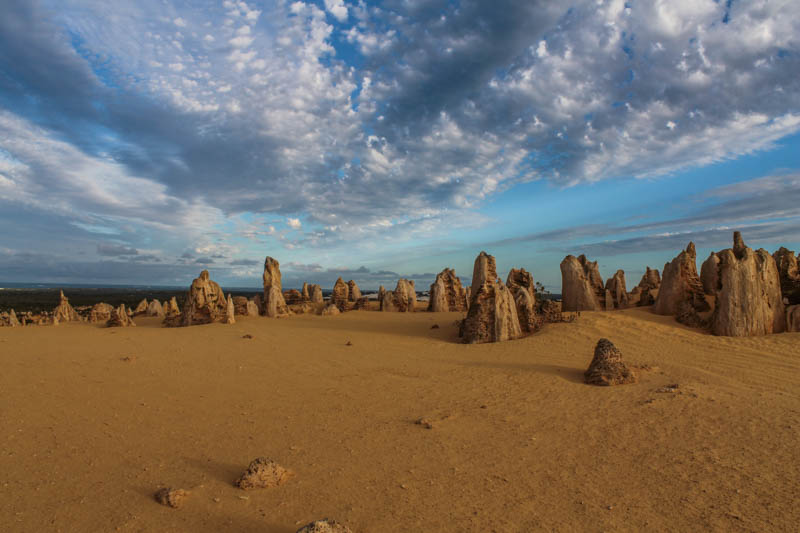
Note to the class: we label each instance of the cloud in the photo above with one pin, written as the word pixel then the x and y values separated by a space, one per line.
pixel 294 223
pixel 337 9
pixel 203 261
pixel 245 262
pixel 115 250
pixel 348 271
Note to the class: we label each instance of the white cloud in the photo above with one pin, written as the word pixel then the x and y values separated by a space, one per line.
pixel 294 223
pixel 337 9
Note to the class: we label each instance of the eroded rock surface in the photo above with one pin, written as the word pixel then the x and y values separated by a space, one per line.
pixel 789 273
pixel 581 285
pixel 681 283
pixel 205 302
pixel 340 294
pixel 325 526
pixel 273 303
pixel 353 292
pixel 402 299
pixel 64 311
pixel 120 318
pixel 100 313
pixel 263 473
pixel 155 308
pixel 523 290
pixel 492 315
pixel 616 292
pixel 447 294
pixel 607 367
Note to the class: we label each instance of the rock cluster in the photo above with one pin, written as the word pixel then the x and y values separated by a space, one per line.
pixel 447 293
pixel 581 285
pixel 353 292
pixel 171 308
pixel 402 299
pixel 100 312
pixel 681 283
pixel 523 290
pixel 263 473
pixel 64 311
pixel 748 295
pixel 647 289
pixel 324 526
pixel 789 273
pixel 141 309
pixel 273 302
pixel 616 292
pixel 492 315
pixel 607 367
pixel 9 319
pixel 120 318
pixel 205 303
pixel 340 295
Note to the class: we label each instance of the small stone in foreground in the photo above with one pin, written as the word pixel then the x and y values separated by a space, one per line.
pixel 325 526
pixel 607 367
pixel 263 473
pixel 171 497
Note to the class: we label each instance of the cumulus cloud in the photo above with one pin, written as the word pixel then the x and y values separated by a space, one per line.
pixel 337 9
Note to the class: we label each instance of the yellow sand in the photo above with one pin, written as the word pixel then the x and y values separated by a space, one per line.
pixel 93 421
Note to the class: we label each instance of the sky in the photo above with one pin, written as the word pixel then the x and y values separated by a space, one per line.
pixel 141 142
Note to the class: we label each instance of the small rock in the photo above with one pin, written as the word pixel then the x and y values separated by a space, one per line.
pixel 673 388
pixel 348 343
pixel 247 336
pixel 435 326
pixel 171 497
pixel 263 473
pixel 425 422
pixel 325 526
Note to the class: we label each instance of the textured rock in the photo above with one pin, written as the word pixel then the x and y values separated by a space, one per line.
pixel 100 313
pixel 607 367
pixel 240 305
pixel 748 298
pixel 523 290
pixel 402 299
pixel 141 309
pixel 330 310
pixel 353 292
pixel 680 283
pixel 9 319
pixel 581 285
pixel 616 292
pixel 305 293
pixel 252 308
pixel 688 316
pixel 447 293
pixel 381 294
pixel 709 274
pixel 155 308
pixel 171 308
pixel 263 473
pixel 64 311
pixel 340 294
pixel 651 279
pixel 171 497
pixel 315 294
pixel 644 293
pixel 325 526
pixel 361 303
pixel 292 297
pixel 793 318
pixel 492 315
pixel 230 311
pixel 273 304
pixel 789 273
pixel 205 302
pixel 120 318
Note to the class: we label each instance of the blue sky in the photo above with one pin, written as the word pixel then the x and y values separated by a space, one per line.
pixel 143 141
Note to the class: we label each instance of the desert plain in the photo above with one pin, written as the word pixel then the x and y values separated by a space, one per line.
pixel 390 425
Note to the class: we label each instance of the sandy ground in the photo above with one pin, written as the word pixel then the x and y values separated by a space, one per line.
pixel 93 421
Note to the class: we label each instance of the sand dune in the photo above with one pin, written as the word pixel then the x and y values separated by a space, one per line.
pixel 96 420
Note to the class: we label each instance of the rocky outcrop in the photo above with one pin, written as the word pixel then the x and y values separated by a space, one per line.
pixel 240 305
pixel 141 309
pixel 330 310
pixel 340 294
pixel 789 273
pixel 688 316
pixel 447 294
pixel 523 290
pixel 581 285
pixel 293 297
pixel 120 318
pixel 100 313
pixel 402 299
pixel 273 303
pixel 681 283
pixel 748 297
pixel 155 308
pixel 647 289
pixel 353 292
pixel 315 294
pixel 229 312
pixel 205 302
pixel 492 315
pixel 64 311
pixel 304 292
pixel 793 318
pixel 324 526
pixel 9 319
pixel 171 308
pixel 607 367
pixel 709 274
pixel 616 292
pixel 381 294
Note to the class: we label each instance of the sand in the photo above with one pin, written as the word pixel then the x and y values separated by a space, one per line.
pixel 94 421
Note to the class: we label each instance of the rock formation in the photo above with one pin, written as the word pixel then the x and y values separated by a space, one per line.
pixel 340 294
pixel 748 296
pixel 324 526
pixel 381 293
pixel 305 293
pixel 274 304
pixel 171 308
pixel 647 289
pixel 354 293
pixel 9 319
pixel 240 305
pixel 330 310
pixel 607 367
pixel 64 311
pixel 581 285
pixel 230 311
pixel 709 274
pixel 793 318
pixel 100 313
pixel 171 497
pixel 447 293
pixel 315 294
pixel 403 298
pixel 523 290
pixel 120 318
pixel 688 316
pixel 789 273
pixel 252 308
pixel 616 293
pixel 680 283
pixel 293 297
pixel 141 308
pixel 205 302
pixel 263 473
pixel 492 315
pixel 154 308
